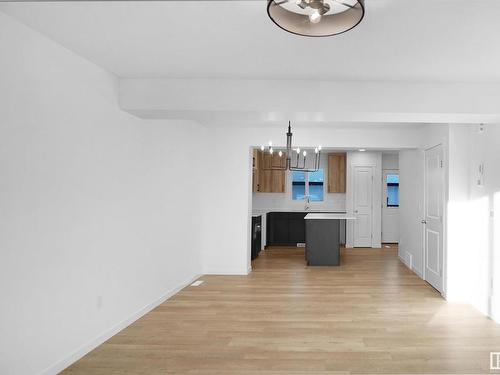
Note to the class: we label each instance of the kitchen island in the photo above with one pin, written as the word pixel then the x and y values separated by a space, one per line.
pixel 323 238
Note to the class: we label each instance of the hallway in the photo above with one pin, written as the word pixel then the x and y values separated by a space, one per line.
pixel 370 315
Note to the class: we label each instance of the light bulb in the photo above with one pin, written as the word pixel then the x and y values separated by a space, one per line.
pixel 319 148
pixel 261 148
pixel 315 16
pixel 280 154
pixel 298 150
pixel 316 150
pixel 304 153
pixel 271 151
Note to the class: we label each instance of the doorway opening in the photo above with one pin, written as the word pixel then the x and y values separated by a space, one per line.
pixel 281 199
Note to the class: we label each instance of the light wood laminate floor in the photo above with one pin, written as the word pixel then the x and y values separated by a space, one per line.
pixel 370 315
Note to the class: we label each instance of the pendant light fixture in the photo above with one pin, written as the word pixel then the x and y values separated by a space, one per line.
pixel 316 17
pixel 289 158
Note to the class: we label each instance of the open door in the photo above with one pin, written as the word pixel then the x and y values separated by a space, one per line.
pixel 433 221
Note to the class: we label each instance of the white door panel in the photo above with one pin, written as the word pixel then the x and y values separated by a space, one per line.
pixel 434 200
pixel 363 202
pixel 432 242
pixel 363 226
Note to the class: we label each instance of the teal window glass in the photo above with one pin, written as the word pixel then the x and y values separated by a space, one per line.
pixel 308 183
pixel 392 190
pixel 316 180
pixel 298 185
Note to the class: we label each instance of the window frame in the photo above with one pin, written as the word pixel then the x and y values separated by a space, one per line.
pixel 387 172
pixel 306 188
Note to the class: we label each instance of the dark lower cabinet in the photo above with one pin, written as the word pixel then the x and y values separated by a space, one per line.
pixel 256 236
pixel 323 242
pixel 289 228
pixel 297 228
pixel 285 228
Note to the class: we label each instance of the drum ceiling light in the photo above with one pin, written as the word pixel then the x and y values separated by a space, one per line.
pixel 316 18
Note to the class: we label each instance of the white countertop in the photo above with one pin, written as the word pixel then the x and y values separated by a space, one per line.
pixel 257 212
pixel 326 216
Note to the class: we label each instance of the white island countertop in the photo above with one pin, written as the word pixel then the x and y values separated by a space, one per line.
pixel 326 216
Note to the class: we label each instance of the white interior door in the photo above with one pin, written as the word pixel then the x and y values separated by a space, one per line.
pixel 390 206
pixel 363 206
pixel 433 222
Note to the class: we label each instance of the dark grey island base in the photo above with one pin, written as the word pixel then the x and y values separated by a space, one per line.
pixel 323 239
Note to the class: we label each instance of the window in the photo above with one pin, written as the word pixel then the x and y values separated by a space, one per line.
pixel 306 184
pixel 298 185
pixel 392 181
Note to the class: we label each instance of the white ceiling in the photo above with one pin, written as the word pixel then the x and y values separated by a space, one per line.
pixel 409 40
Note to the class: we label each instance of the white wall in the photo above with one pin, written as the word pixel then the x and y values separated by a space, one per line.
pixel 472 231
pixel 96 216
pixel 461 249
pixel 390 160
pixel 373 159
pixel 390 215
pixel 473 226
pixel 229 186
pixel 411 195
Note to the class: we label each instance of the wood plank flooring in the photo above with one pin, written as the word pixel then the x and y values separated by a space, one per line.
pixel 370 315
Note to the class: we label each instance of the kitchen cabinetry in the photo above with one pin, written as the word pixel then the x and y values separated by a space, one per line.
pixel 265 180
pixel 285 228
pixel 255 171
pixel 336 173
pixel 256 236
pixel 289 228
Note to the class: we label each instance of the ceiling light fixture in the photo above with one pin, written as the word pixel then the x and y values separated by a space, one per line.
pixel 299 163
pixel 362 150
pixel 316 17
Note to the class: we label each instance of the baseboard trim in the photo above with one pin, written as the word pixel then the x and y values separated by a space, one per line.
pixel 410 267
pixel 92 344
pixel 419 274
pixel 494 309
pixel 401 259
pixel 228 272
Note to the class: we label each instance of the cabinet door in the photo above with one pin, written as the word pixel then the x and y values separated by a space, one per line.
pixel 255 171
pixel 336 173
pixel 270 181
pixel 277 177
pixel 265 176
pixel 277 228
pixel 296 228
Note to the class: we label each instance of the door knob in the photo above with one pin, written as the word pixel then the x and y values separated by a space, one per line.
pixel 424 221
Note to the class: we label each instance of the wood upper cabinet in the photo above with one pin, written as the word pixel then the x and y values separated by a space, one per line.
pixel 255 171
pixel 336 173
pixel 267 181
pixel 277 177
